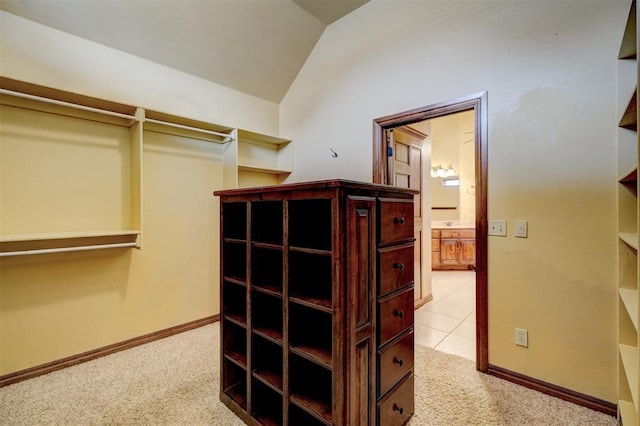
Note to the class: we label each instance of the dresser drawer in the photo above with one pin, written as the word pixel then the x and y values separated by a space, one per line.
pixel 394 362
pixel 395 314
pixel 396 220
pixel 458 233
pixel 396 268
pixel 396 408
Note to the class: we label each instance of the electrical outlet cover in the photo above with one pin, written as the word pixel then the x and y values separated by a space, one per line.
pixel 522 337
pixel 498 227
pixel 521 229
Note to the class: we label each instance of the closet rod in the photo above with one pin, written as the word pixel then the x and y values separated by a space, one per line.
pixel 66 104
pixel 194 129
pixel 66 249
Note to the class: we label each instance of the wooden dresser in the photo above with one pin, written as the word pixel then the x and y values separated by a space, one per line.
pixel 317 304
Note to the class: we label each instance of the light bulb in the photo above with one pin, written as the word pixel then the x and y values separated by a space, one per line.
pixel 450 171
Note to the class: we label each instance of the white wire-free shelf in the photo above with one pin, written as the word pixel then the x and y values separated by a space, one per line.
pixel 46 243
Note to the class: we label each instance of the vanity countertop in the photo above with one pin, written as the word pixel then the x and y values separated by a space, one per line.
pixel 441 224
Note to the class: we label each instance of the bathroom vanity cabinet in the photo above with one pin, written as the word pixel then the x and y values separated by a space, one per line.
pixel 453 248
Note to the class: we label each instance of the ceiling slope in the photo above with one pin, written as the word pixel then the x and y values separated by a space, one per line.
pixel 253 46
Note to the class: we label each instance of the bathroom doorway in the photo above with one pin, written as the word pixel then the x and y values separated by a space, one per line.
pixel 468 183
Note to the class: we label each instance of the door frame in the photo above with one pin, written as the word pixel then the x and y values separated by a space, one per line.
pixel 477 103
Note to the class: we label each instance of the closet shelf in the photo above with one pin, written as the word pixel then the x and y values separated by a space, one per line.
pixel 629 355
pixel 630 300
pixel 174 125
pixel 45 99
pixel 253 137
pixel 45 243
pixel 256 169
pixel 628 413
pixel 628 46
pixel 630 239
pixel 630 177
pixel 629 119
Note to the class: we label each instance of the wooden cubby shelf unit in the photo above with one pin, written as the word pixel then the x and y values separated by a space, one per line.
pixel 302 259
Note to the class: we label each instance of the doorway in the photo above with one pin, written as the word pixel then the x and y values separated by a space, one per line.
pixel 384 173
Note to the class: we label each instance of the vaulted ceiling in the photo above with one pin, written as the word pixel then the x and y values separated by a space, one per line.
pixel 253 46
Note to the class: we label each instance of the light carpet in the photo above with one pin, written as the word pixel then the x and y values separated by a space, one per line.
pixel 175 381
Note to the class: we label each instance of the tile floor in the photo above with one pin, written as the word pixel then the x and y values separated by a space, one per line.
pixel 448 322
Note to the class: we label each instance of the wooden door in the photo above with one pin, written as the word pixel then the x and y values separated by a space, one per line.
pixel 449 252
pixel 478 104
pixel 468 252
pixel 405 171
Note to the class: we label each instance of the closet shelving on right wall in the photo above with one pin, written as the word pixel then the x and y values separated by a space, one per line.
pixel 628 285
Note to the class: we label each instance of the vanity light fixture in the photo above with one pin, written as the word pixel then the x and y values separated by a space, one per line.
pixel 442 172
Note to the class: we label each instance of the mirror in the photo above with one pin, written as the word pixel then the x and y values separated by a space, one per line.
pixel 445 198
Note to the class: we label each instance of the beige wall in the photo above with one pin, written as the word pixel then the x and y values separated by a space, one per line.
pixel 57 305
pixel 549 69
pixel 453 143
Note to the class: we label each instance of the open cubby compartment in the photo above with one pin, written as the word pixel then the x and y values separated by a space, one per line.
pixel 625 398
pixel 310 334
pixel 310 388
pixel 299 417
pixel 234 343
pixel 235 302
pixel 266 316
pixel 628 46
pixel 627 266
pixel 250 178
pixel 234 262
pixel 234 383
pixel 234 220
pixel 627 331
pixel 630 181
pixel 629 119
pixel 266 404
pixel 266 268
pixel 266 362
pixel 628 208
pixel 628 358
pixel 265 154
pixel 310 224
pixel 310 279
pixel 266 222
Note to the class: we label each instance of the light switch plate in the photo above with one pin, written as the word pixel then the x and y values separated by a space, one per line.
pixel 521 229
pixel 498 227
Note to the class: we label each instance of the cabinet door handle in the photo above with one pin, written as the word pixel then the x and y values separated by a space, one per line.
pixel 397 313
pixel 398 361
pixel 399 220
pixel 398 265
pixel 398 408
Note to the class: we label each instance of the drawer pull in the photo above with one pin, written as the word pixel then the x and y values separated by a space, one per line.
pixel 397 313
pixel 397 265
pixel 398 408
pixel 398 361
pixel 399 220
